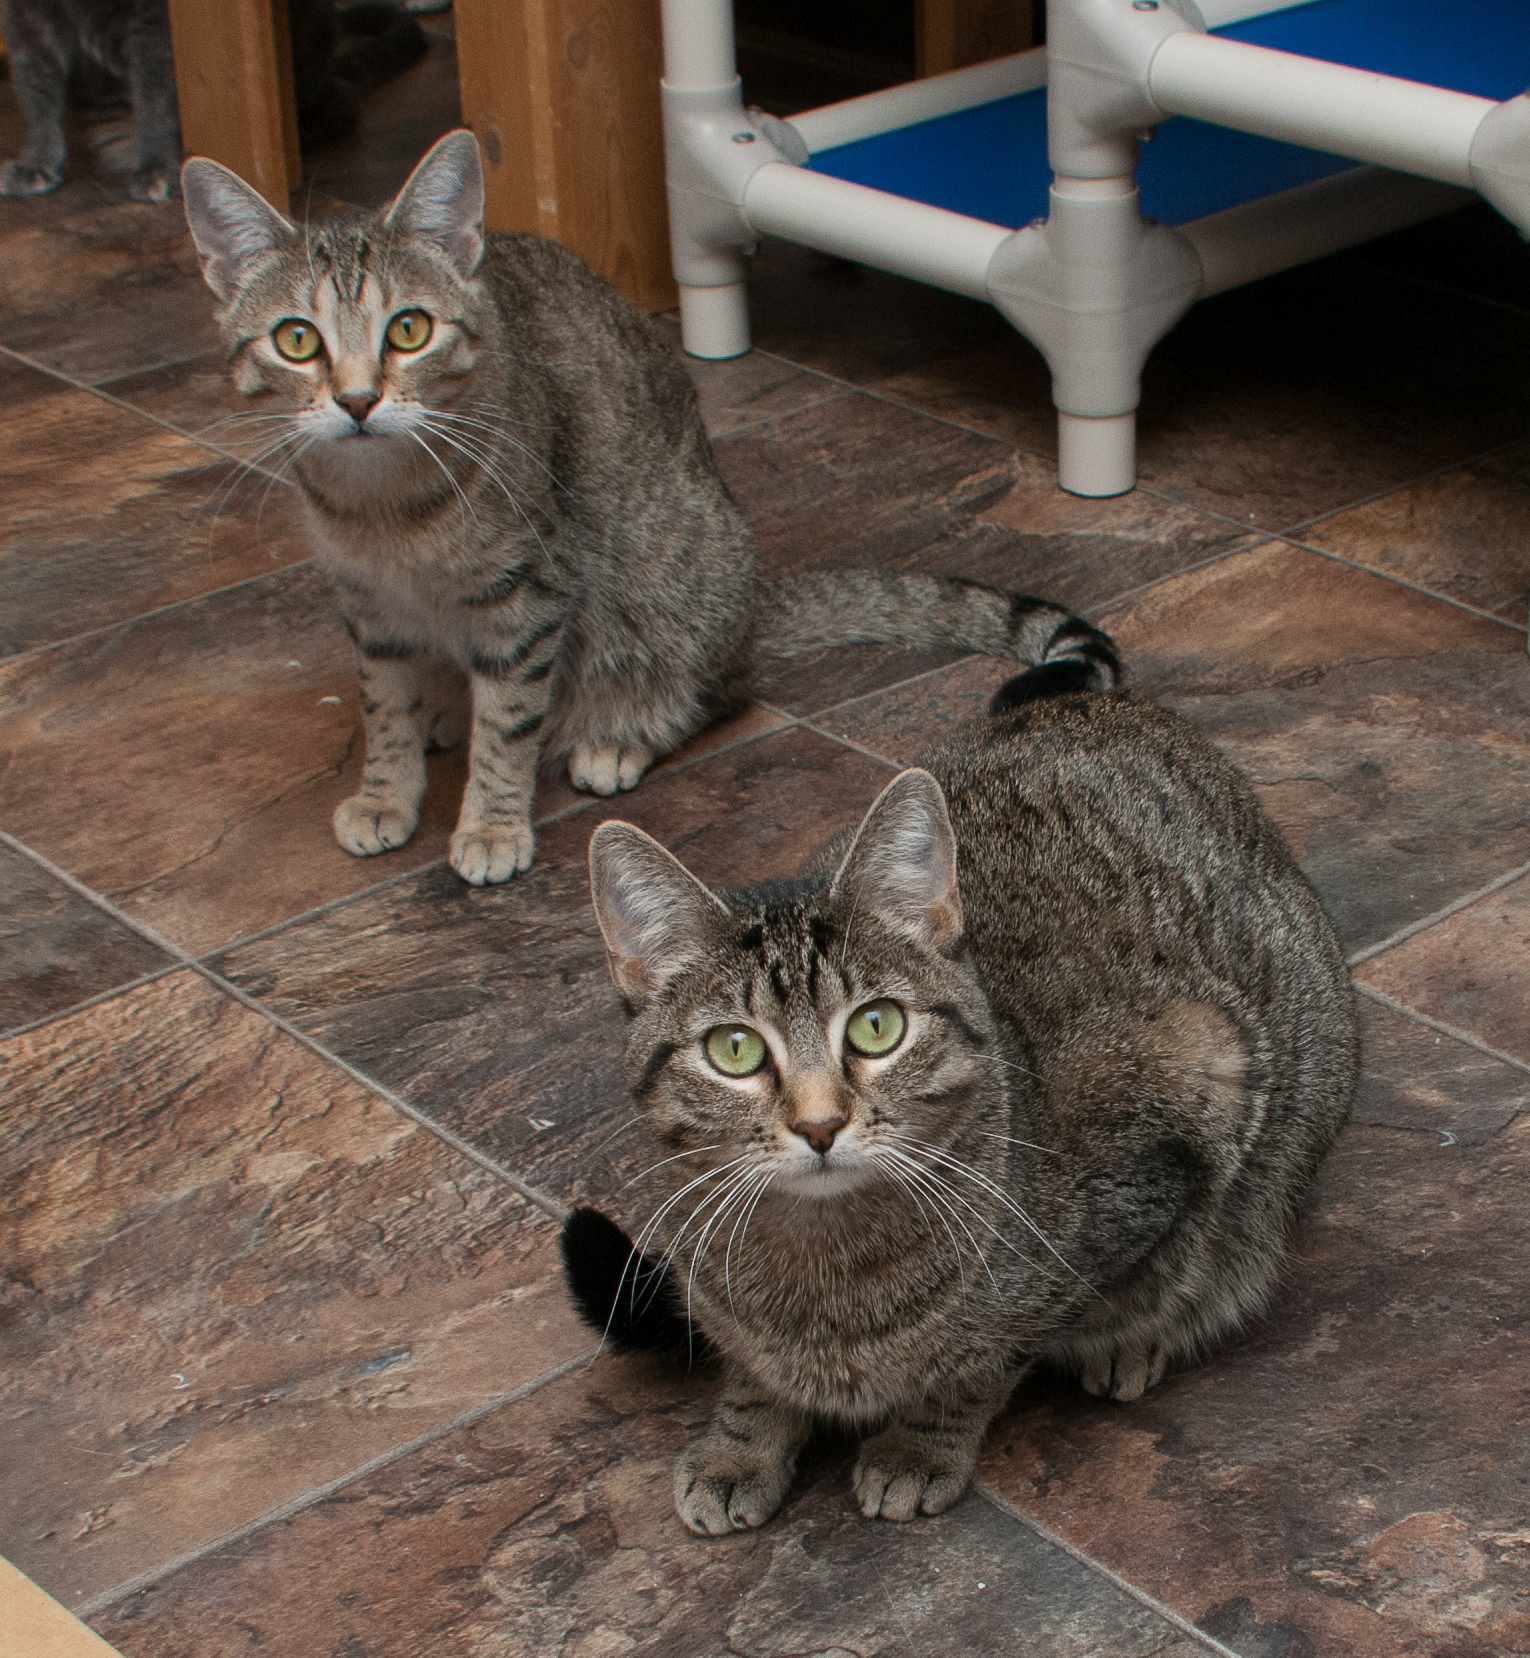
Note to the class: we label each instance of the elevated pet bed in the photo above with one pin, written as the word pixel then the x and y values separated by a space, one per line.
pixel 1019 181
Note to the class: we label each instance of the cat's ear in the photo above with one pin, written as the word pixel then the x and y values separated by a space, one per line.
pixel 231 224
pixel 655 915
pixel 442 202
pixel 901 866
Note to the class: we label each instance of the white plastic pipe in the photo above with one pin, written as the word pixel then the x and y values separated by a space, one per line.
pixel 1325 106
pixel 1097 456
pixel 928 244
pixel 1278 232
pixel 714 322
pixel 699 51
pixel 916 101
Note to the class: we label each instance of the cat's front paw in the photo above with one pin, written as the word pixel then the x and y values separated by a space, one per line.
pixel 153 184
pixel 366 827
pixel 16 180
pixel 1126 1373
pixel 486 856
pixel 605 770
pixel 901 1474
pixel 722 1488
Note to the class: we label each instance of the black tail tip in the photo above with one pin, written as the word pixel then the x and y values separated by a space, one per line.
pixel 1051 679
pixel 627 1298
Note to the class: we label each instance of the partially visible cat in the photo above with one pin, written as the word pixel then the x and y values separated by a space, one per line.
pixel 337 53
pixel 1040 1068
pixel 506 476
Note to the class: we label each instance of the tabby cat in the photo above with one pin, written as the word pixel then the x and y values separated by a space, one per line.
pixel 1040 1068
pixel 506 475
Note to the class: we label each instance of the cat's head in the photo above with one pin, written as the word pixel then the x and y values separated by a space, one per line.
pixel 826 1038
pixel 362 330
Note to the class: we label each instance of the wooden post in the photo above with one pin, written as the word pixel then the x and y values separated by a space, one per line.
pixel 949 34
pixel 232 60
pixel 564 98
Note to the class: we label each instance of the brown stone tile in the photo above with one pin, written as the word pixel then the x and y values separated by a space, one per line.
pixel 901 722
pixel 1283 400
pixel 56 948
pixel 1388 733
pixel 548 1528
pixel 1465 533
pixel 492 1010
pixel 739 391
pixel 1350 1479
pixel 198 398
pixel 1471 970
pixel 111 515
pixel 234 1274
pixel 96 288
pixel 186 768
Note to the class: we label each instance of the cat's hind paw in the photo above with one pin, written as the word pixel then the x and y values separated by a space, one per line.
pixel 486 856
pixel 717 1493
pixel 366 827
pixel 1124 1374
pixel 16 180
pixel 606 769
pixel 899 1476
pixel 153 184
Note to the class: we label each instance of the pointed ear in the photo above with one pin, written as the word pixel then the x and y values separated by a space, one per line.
pixel 231 224
pixel 901 866
pixel 442 203
pixel 655 915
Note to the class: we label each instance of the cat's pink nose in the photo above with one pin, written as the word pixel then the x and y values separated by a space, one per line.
pixel 819 1132
pixel 358 404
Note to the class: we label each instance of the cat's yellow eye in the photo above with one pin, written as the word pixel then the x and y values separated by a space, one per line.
pixel 876 1028
pixel 735 1050
pixel 409 330
pixel 297 339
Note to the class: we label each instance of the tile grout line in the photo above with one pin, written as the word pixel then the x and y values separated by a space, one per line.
pixel 89 1002
pixel 1400 581
pixel 296 1505
pixel 1381 998
pixel 869 753
pixel 149 615
pixel 1431 920
pixel 1090 1563
pixel 530 1193
pixel 132 408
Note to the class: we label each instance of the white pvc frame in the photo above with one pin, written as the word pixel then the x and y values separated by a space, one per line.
pixel 1094 286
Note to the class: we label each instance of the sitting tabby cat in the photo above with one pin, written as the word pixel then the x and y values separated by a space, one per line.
pixel 1041 1067
pixel 506 475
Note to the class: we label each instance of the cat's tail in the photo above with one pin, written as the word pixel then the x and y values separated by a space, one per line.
pixel 630 1299
pixel 879 607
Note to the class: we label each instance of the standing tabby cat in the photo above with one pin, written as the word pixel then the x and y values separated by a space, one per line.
pixel 506 475
pixel 1040 1068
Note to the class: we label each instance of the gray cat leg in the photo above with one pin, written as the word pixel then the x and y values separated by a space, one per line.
pixel 156 112
pixel 383 814
pixel 40 75
pixel 493 838
pixel 923 1460
pixel 737 1471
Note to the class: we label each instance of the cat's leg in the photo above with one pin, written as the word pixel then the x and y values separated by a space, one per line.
pixel 40 77
pixel 737 1471
pixel 923 1460
pixel 382 815
pixel 493 838
pixel 156 116
pixel 1126 1373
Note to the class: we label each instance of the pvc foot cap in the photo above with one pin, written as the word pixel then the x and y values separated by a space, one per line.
pixel 714 322
pixel 1097 456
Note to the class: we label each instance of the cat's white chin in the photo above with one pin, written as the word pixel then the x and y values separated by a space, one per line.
pixel 823 1178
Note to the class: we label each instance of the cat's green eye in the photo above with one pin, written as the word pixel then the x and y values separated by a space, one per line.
pixel 409 330
pixel 876 1028
pixel 297 339
pixel 735 1050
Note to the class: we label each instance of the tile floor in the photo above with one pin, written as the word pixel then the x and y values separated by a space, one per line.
pixel 286 1362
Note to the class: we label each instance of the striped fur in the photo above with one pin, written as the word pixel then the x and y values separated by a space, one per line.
pixel 1129 1041
pixel 529 501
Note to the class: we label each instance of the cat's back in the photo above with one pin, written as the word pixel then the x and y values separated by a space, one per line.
pixel 1110 853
